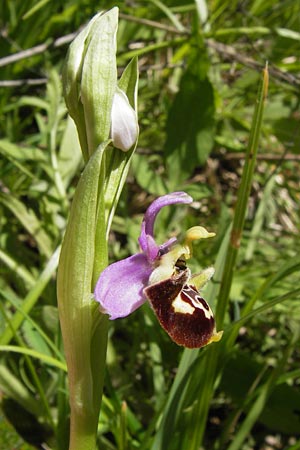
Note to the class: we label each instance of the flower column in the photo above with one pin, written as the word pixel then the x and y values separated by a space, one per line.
pixel 104 111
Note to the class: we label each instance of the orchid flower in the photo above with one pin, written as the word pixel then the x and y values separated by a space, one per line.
pixel 159 273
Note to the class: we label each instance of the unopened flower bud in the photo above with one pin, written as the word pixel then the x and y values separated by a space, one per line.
pixel 124 126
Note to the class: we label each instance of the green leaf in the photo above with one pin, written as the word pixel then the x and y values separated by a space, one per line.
pixel 289 34
pixel 265 390
pixel 30 222
pixel 150 180
pixel 69 157
pixel 19 270
pixel 86 227
pixel 31 298
pixel 13 388
pixel 129 81
pixel 17 155
pixel 190 127
pixel 34 340
pixel 40 356
pixel 44 342
pixel 280 413
pixel 50 318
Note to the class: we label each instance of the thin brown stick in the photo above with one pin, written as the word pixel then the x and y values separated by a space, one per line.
pixel 24 82
pixel 229 52
pixel 237 155
pixel 37 49
pixel 225 51
pixel 152 23
pixel 261 156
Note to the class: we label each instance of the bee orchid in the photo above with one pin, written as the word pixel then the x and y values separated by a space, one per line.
pixel 159 274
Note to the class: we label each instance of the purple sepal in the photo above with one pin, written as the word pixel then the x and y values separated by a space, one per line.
pixel 147 228
pixel 119 289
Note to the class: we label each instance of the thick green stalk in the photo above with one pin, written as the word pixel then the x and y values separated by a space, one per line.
pixel 83 431
pixel 76 307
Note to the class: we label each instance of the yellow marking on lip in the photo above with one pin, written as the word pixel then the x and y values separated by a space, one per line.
pixel 182 307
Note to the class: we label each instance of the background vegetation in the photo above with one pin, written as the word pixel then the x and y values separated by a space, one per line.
pixel 200 65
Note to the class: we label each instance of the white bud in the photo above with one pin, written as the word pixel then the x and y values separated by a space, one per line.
pixel 124 125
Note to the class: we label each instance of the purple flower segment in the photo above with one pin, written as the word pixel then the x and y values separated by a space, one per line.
pixel 119 289
pixel 146 239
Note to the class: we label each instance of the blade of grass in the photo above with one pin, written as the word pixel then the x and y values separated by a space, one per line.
pixel 151 48
pixel 34 324
pixel 287 296
pixel 260 215
pixel 213 357
pixel 235 416
pixel 287 269
pixel 12 387
pixel 28 351
pixel 171 16
pixel 175 401
pixel 242 202
pixel 35 9
pixel 17 154
pixel 54 94
pixel 30 222
pixel 262 398
pixel 260 31
pixel 32 370
pixel 18 269
pixel 32 297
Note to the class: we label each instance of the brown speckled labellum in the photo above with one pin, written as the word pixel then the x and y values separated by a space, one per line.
pixel 181 311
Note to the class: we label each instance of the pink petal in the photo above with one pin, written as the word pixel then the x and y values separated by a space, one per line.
pixel 119 289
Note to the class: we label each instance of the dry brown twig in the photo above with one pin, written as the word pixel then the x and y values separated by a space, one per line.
pixel 226 52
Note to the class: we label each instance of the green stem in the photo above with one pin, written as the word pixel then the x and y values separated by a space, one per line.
pixel 214 355
pixel 84 417
pixel 83 431
pixel 242 202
